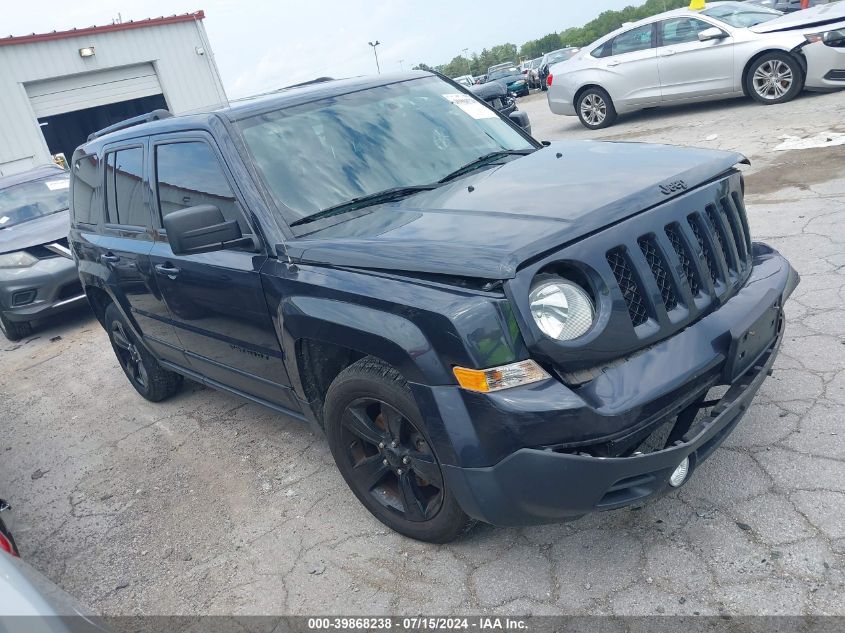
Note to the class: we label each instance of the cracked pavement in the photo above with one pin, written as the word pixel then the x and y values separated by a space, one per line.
pixel 203 504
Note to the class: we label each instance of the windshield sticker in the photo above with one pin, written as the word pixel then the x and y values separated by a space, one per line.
pixel 57 185
pixel 470 106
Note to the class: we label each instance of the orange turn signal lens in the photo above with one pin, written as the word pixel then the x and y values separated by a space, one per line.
pixel 498 378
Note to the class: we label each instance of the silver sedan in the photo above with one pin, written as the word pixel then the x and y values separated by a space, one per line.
pixel 728 49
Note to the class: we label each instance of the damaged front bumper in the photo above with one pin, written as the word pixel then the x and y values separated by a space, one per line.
pixel 548 483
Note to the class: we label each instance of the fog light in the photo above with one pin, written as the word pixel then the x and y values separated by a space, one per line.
pixel 680 475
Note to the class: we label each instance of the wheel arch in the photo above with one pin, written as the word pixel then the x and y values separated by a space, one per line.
pixel 321 337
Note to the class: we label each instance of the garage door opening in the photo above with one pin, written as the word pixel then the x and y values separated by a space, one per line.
pixel 65 132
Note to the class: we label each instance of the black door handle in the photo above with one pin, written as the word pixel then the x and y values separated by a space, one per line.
pixel 109 258
pixel 168 270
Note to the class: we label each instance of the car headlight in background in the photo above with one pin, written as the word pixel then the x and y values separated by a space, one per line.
pixel 18 259
pixel 835 39
pixel 562 310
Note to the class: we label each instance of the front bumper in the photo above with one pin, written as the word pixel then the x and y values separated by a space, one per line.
pixel 41 290
pixel 542 481
pixel 825 67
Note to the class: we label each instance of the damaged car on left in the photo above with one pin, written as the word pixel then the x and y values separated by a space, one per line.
pixel 37 274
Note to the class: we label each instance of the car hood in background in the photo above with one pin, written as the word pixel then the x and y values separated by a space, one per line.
pixel 485 225
pixel 43 230
pixel 802 20
pixel 489 91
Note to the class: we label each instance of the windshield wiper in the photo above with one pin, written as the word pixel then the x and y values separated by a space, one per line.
pixel 481 161
pixel 388 195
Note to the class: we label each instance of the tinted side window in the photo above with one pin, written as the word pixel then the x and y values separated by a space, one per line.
pixel 189 174
pixel 603 50
pixel 84 183
pixel 124 190
pixel 638 39
pixel 682 30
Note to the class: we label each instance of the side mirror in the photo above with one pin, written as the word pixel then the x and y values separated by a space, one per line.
pixel 712 34
pixel 202 229
pixel 521 119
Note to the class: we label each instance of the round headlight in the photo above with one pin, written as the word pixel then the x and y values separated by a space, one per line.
pixel 561 309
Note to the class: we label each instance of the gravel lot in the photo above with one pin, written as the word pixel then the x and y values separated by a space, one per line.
pixel 204 504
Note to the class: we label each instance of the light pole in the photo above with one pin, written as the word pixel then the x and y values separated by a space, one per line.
pixel 466 57
pixel 374 44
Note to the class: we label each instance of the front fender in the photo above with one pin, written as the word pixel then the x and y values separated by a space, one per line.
pixel 373 332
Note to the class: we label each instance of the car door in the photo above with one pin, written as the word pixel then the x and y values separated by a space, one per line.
pixel 691 69
pixel 216 299
pixel 629 68
pixel 124 246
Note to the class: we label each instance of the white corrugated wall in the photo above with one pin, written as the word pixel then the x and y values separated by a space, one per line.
pixel 190 82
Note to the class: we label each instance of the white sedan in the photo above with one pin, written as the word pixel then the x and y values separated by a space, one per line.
pixel 728 49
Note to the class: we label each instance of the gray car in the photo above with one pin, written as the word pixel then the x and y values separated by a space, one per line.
pixel 37 275
pixel 729 49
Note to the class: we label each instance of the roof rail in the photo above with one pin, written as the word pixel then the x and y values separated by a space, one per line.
pixel 155 115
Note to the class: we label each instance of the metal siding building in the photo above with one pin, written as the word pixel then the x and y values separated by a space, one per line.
pixel 52 97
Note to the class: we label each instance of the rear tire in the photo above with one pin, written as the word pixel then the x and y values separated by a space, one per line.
pixel 595 109
pixel 774 78
pixel 149 378
pixel 15 330
pixel 380 445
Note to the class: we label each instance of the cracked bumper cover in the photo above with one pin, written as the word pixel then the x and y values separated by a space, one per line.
pixel 538 485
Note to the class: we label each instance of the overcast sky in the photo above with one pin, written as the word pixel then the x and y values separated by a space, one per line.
pixel 262 45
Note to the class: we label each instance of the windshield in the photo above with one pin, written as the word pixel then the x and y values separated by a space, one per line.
pixel 560 56
pixel 741 15
pixel 503 72
pixel 33 199
pixel 323 154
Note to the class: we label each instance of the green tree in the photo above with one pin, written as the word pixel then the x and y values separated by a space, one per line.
pixel 579 36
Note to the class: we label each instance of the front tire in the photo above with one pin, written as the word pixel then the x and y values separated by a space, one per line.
pixel 149 378
pixel 378 440
pixel 14 330
pixel 595 109
pixel 774 78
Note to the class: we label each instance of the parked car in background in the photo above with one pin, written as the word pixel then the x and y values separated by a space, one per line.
pixel 788 6
pixel 37 275
pixel 511 78
pixel 533 74
pixel 497 97
pixel 30 601
pixel 464 80
pixel 729 49
pixel 472 350
pixel 554 57
pixel 500 66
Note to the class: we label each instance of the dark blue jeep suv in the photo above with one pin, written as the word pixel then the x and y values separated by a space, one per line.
pixel 365 256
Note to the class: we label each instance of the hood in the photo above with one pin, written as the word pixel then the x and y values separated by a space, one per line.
pixel 807 19
pixel 488 223
pixel 43 230
pixel 489 91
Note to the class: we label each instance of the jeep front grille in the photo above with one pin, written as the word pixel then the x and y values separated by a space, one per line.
pixel 707 254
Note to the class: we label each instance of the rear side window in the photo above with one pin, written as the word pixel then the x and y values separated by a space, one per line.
pixel 188 175
pixel 84 184
pixel 124 188
pixel 638 39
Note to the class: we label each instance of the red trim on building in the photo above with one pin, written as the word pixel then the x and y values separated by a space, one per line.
pixel 95 30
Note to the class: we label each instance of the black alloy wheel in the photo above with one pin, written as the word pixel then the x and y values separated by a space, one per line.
pixel 379 442
pixel 145 374
pixel 129 356
pixel 390 460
